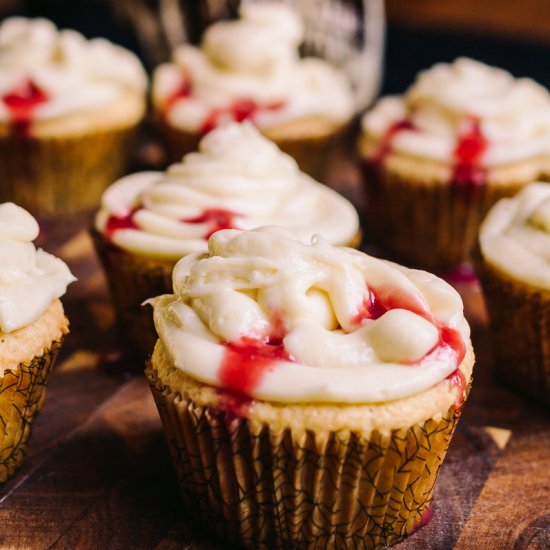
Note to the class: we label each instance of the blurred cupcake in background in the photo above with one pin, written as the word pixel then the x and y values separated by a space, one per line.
pixel 237 179
pixel 513 265
pixel 68 108
pixel 32 327
pixel 463 136
pixel 250 69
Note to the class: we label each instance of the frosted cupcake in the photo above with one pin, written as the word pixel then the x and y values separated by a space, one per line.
pixel 308 392
pixel 68 107
pixel 514 269
pixel 250 69
pixel 462 137
pixel 237 179
pixel 32 327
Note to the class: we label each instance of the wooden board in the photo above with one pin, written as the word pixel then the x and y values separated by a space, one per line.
pixel 98 475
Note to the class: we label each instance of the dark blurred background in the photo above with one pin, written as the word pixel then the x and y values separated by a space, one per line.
pixel 514 34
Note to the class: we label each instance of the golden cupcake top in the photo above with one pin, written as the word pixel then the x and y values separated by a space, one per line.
pixel 237 179
pixel 515 235
pixel 30 279
pixel 271 318
pixel 47 74
pixel 465 116
pixel 250 68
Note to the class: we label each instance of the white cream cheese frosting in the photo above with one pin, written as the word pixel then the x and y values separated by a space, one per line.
pixel 254 59
pixel 515 235
pixel 30 279
pixel 511 114
pixel 237 179
pixel 73 73
pixel 284 321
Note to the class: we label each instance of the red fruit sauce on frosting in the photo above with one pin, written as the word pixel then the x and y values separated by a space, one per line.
pixel 239 110
pixel 245 363
pixel 217 218
pixel 386 142
pixel 468 154
pixel 120 221
pixel 181 92
pixel 21 102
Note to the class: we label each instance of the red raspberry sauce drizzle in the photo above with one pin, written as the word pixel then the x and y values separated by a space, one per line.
pixel 450 345
pixel 245 363
pixel 381 300
pixel 386 143
pixel 21 103
pixel 239 110
pixel 121 221
pixel 423 520
pixel 242 109
pixel 468 154
pixel 217 218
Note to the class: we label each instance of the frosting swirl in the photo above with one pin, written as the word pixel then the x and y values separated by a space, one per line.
pixel 515 235
pixel 237 179
pixel 276 319
pixel 30 279
pixel 72 73
pixel 464 112
pixel 250 68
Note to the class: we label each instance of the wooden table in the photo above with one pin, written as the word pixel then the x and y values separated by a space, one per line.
pixel 98 474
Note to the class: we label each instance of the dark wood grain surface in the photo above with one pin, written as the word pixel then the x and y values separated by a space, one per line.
pixel 98 474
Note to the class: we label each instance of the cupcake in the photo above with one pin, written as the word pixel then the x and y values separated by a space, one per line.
pixel 237 179
pixel 462 137
pixel 68 107
pixel 250 69
pixel 512 263
pixel 308 393
pixel 32 327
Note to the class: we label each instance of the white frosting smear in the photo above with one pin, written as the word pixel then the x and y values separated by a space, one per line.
pixel 515 235
pixel 30 279
pixel 75 73
pixel 338 325
pixel 254 58
pixel 513 114
pixel 238 176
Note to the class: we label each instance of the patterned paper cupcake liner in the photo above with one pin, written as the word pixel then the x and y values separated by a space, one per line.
pixel 132 280
pixel 298 489
pixel 428 225
pixel 22 392
pixel 519 316
pixel 61 176
pixel 313 154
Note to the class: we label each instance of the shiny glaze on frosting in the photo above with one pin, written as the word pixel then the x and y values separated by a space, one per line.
pixel 237 179
pixel 268 317
pixel 515 235
pixel 30 279
pixel 250 69
pixel 466 115
pixel 66 71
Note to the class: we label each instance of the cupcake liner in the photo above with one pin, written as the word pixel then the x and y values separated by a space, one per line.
pixel 61 176
pixel 312 153
pixel 132 280
pixel 519 317
pixel 298 488
pixel 426 224
pixel 22 392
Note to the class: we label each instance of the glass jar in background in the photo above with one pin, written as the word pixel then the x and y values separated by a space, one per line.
pixel 347 33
